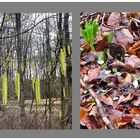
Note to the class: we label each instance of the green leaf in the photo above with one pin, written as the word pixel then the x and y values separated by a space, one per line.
pixel 104 66
pixel 101 56
pixel 83 32
pixel 137 78
pixel 118 74
pixel 110 37
pixel 87 29
pixel 90 32
pixel 92 45
pixel 101 59
pixel 95 26
pixel 114 70
pixel 108 51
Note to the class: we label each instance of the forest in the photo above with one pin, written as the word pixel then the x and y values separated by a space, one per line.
pixel 110 70
pixel 35 71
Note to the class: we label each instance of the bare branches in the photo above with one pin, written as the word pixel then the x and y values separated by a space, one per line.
pixel 27 30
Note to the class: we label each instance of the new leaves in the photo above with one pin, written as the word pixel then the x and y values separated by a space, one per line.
pixel 90 31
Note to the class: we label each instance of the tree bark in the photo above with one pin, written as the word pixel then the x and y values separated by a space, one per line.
pixel 19 69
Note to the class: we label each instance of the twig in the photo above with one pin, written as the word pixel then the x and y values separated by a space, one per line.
pixel 99 105
pixel 27 30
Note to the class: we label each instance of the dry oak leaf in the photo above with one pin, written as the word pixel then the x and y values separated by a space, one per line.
pixel 136 102
pixel 134 48
pixel 82 63
pixel 114 20
pixel 94 111
pixel 106 100
pixel 136 121
pixel 115 114
pixel 92 74
pixel 83 116
pixel 133 60
pixel 87 105
pixel 83 70
pixel 127 79
pixel 135 110
pixel 124 99
pixel 120 122
pixel 86 47
pixel 87 121
pixel 124 37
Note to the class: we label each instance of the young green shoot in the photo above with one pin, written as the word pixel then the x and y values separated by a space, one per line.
pixel 110 39
pixel 116 72
pixel 89 33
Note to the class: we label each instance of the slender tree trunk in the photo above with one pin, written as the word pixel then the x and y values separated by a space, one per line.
pixel 19 60
pixel 60 30
pixel 68 68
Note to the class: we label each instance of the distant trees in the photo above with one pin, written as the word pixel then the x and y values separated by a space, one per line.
pixel 35 53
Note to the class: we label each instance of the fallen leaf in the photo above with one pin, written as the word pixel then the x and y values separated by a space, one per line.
pixel 133 60
pixel 134 48
pixel 114 20
pixel 88 121
pixel 124 37
pixel 106 100
pixel 93 74
pixel 120 122
pixel 81 91
pixel 87 105
pixel 92 56
pixel 135 110
pixel 86 47
pixel 129 68
pixel 128 78
pixel 101 45
pixel 82 63
pixel 136 121
pixel 136 102
pixel 94 111
pixel 83 116
pixel 115 114
pixel 124 99
pixel 85 77
pixel 84 70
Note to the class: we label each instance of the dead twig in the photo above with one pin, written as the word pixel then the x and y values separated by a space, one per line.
pixel 99 105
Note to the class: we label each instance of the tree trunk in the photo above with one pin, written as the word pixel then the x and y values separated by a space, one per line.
pixel 68 68
pixel 62 77
pixel 19 69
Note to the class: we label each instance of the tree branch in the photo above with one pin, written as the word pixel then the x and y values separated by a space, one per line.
pixel 99 105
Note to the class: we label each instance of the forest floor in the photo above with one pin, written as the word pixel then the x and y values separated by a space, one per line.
pixel 110 71
pixel 35 118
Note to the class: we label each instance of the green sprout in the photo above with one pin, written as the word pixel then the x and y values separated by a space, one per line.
pixel 114 70
pixel 110 37
pixel 117 72
pixel 90 31
pixel 101 58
